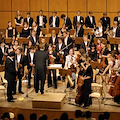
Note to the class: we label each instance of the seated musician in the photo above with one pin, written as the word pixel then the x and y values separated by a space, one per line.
pixel 52 60
pixel 3 52
pixel 36 28
pixel 114 32
pixel 27 49
pixel 19 19
pixel 79 31
pixel 69 62
pixel 16 45
pixel 88 79
pixel 54 20
pixel 30 57
pixel 25 31
pixel 93 52
pixel 63 29
pixel 98 47
pixel 85 44
pixel 53 39
pixel 44 42
pixel 34 38
pixel 10 31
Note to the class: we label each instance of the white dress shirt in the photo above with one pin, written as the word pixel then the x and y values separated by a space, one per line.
pixel 32 56
pixel 34 38
pixel 28 18
pixel 91 20
pixel 53 39
pixel 54 20
pixel 18 58
pixel 114 31
pixel 65 40
pixel 3 50
pixel 60 45
pixel 40 20
pixel 118 18
pixel 100 31
pixel 78 18
pixel 65 20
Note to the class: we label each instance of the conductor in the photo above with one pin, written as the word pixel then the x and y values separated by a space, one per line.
pixel 39 61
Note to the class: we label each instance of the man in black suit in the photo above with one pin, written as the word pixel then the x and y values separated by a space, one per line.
pixel 41 20
pixel 29 20
pixel 54 20
pixel 10 75
pixel 117 18
pixel 67 21
pixel 40 58
pixel 34 38
pixel 105 20
pixel 3 51
pixel 90 20
pixel 78 18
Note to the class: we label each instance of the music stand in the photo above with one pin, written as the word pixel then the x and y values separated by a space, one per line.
pixel 95 65
pixel 23 40
pixel 88 31
pixel 114 40
pixel 46 39
pixel 8 40
pixel 96 39
pixel 72 31
pixel 19 29
pixel 2 68
pixel 57 29
pixel 78 40
pixel 44 31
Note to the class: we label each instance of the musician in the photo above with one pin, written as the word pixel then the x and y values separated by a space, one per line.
pixel 117 18
pixel 10 31
pixel 44 43
pixel 19 19
pixel 3 52
pixel 29 20
pixel 63 29
pixel 54 20
pixel 115 33
pixel 30 57
pixel 10 75
pixel 41 20
pixel 34 38
pixel 71 60
pixel 67 21
pixel 36 28
pixel 52 59
pixel 79 31
pixel 105 20
pixel 27 49
pixel 85 44
pixel 79 19
pixel 88 78
pixel 16 45
pixel 25 31
pixel 67 41
pixel 98 47
pixel 39 60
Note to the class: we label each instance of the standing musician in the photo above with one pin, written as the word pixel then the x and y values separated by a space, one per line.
pixel 78 18
pixel 10 75
pixel 39 60
pixel 52 59
pixel 19 19
pixel 41 20
pixel 27 49
pixel 16 45
pixel 70 63
pixel 63 29
pixel 30 57
pixel 117 18
pixel 3 52
pixel 54 20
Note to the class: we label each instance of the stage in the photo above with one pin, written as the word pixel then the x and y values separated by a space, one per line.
pixel 25 105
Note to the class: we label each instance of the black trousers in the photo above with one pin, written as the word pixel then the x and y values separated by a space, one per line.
pixel 54 78
pixel 10 87
pixel 29 77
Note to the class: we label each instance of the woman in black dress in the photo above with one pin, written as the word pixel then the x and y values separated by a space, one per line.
pixel 18 19
pixel 63 29
pixel 10 31
pixel 25 31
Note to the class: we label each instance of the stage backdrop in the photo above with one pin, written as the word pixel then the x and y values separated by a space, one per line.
pixel 8 8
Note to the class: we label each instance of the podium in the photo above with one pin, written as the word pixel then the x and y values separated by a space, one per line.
pixel 57 29
pixel 2 68
pixel 8 40
pixel 46 39
pixel 96 39
pixel 78 40
pixel 114 40
pixel 23 40
pixel 44 31
pixel 88 31
pixel 19 29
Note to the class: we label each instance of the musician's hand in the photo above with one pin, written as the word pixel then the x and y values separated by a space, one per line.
pixel 54 46
pixel 37 43
pixel 5 54
pixel 60 52
pixel 17 69
pixel 88 48
pixel 100 56
pixel 57 53
pixel 20 65
pixel 31 64
pixel 83 78
pixel 66 27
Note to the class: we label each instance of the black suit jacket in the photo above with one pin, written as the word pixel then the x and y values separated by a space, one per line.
pixel 68 42
pixel 68 23
pixel 75 21
pixel 80 32
pixel 44 20
pixel 105 22
pixel 88 22
pixel 103 30
pixel 32 40
pixel 30 21
pixel 10 72
pixel 51 41
pixel 116 19
pixel 82 45
pixel 117 34
pixel 57 21
pixel 57 47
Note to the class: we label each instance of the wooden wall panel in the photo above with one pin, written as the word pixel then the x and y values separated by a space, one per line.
pixel 58 5
pixel 21 5
pixel 36 5
pixel 5 5
pixel 97 17
pixel 113 5
pixel 97 5
pixel 74 5
pixel 5 17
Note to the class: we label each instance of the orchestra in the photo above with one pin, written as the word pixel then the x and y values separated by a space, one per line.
pixel 42 50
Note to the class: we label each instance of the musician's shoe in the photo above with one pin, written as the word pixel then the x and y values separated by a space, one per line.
pixel 29 86
pixel 86 107
pixel 10 101
pixel 36 91
pixel 59 78
pixel 50 86
pixel 14 98
pixel 21 92
pixel 42 92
